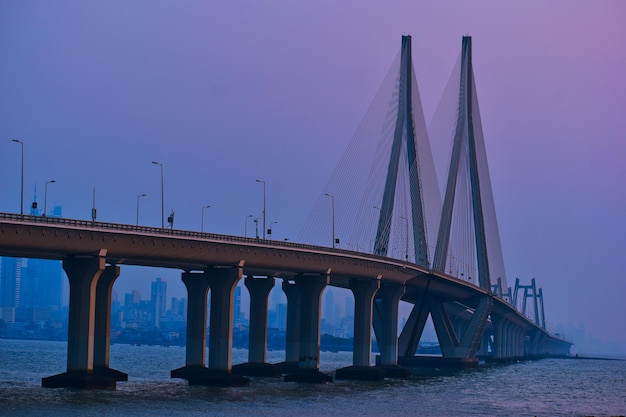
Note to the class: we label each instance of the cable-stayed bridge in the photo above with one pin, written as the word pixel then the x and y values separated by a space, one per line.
pixel 406 242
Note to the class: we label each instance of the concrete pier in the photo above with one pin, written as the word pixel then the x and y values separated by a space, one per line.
pixel 361 369
pixel 386 328
pixel 102 326
pixel 310 288
pixel 259 289
pixel 294 312
pixel 222 281
pixel 498 337
pixel 197 285
pixel 83 274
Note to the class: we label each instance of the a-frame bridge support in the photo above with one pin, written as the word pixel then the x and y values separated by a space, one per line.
pixel 458 339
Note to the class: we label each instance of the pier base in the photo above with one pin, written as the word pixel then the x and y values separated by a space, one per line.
pixel 79 379
pixel 110 373
pixel 395 371
pixel 312 376
pixel 199 375
pixel 258 369
pixel 438 362
pixel 288 367
pixel 361 373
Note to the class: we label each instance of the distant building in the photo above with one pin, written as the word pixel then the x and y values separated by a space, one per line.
pixel 281 316
pixel 237 316
pixel 328 312
pixel 158 295
pixel 178 308
pixel 42 285
pixel 131 313
pixel 10 282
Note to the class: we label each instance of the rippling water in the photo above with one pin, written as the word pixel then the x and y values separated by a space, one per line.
pixel 550 387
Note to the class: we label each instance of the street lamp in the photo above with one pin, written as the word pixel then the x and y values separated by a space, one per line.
pixel 22 194
pixel 245 226
pixel 256 225
pixel 138 197
pixel 45 198
pixel 269 231
pixel 162 205
pixel 333 203
pixel 263 208
pixel 406 234
pixel 202 222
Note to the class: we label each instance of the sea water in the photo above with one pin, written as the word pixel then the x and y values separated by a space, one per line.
pixel 548 387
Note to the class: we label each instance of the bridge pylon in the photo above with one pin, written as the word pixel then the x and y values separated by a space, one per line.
pixel 468 243
pixel 468 207
pixel 404 144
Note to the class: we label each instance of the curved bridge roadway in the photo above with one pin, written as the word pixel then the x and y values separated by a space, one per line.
pixel 118 244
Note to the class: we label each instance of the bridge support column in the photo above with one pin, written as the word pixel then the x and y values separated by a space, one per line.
pixel 83 275
pixel 364 291
pixel 310 288
pixel 411 334
pixel 257 365
pixel 197 285
pixel 535 344
pixel 483 350
pixel 514 341
pixel 222 282
pixel 521 336
pixel 386 329
pixel 498 337
pixel 461 351
pixel 508 340
pixel 294 310
pixel 102 326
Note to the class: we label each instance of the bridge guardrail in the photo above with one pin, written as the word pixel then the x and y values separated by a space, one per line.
pixel 181 233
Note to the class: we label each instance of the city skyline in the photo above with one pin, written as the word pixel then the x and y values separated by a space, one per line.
pixel 223 97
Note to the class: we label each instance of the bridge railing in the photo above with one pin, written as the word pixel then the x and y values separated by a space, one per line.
pixel 183 233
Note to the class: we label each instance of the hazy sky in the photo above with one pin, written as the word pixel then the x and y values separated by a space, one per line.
pixel 223 93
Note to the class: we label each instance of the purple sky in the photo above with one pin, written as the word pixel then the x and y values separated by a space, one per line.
pixel 223 93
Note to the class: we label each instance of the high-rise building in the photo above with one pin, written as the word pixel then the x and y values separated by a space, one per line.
pixel 10 281
pixel 178 307
pixel 237 316
pixel 42 284
pixel 158 295
pixel 328 312
pixel 131 313
pixel 281 316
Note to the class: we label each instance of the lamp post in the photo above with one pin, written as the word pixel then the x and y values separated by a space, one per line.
pixel 270 229
pixel 256 225
pixel 245 226
pixel 202 222
pixel 93 207
pixel 406 235
pixel 45 197
pixel 22 194
pixel 138 197
pixel 332 197
pixel 263 208
pixel 162 199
